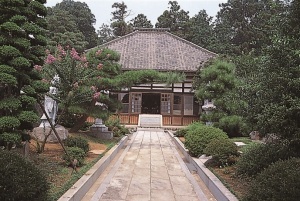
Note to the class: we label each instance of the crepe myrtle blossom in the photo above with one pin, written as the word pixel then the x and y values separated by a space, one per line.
pixel 98 52
pixel 100 66
pixel 38 67
pixel 50 59
pixel 61 50
pixel 93 88
pixel 83 58
pixel 96 95
pixel 74 54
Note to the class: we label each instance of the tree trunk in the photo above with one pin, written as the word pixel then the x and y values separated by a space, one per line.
pixel 79 124
pixel 26 149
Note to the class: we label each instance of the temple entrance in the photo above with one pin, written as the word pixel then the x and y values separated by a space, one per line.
pixel 150 103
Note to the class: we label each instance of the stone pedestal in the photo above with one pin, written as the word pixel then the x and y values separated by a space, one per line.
pixel 99 130
pixel 39 133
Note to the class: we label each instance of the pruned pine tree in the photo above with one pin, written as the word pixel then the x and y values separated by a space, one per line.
pixel 22 46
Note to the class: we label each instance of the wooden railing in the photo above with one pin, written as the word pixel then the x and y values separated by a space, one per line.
pixel 133 119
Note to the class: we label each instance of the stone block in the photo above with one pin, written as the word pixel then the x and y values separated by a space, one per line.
pixel 39 133
pixel 105 135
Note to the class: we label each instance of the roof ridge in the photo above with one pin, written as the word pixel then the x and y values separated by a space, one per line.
pixel 151 29
pixel 113 41
pixel 190 43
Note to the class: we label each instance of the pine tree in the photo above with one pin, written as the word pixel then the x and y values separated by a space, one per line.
pixel 22 42
pixel 141 21
pixel 119 25
pixel 175 18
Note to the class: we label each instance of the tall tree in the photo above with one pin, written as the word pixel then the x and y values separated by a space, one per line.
pixel 201 30
pixel 246 25
pixel 280 78
pixel 63 30
pixel 22 33
pixel 141 21
pixel 84 19
pixel 175 18
pixel 105 34
pixel 119 25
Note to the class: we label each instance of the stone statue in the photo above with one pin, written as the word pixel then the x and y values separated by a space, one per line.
pixel 50 104
pixel 43 132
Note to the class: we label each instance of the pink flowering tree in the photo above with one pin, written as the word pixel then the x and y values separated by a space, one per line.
pixel 85 79
pixel 78 89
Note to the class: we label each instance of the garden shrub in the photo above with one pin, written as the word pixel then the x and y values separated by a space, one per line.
pixel 114 125
pixel 75 153
pixel 181 132
pixel 279 182
pixel 199 135
pixel 77 142
pixel 232 125
pixel 223 151
pixel 20 179
pixel 257 157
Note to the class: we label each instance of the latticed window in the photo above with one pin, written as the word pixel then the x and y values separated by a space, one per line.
pixel 188 105
pixel 136 101
pixel 124 97
pixel 166 103
pixel 177 105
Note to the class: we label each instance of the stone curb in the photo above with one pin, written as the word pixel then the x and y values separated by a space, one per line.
pixel 81 187
pixel 216 187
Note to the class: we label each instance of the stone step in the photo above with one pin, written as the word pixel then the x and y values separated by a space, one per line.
pixel 150 120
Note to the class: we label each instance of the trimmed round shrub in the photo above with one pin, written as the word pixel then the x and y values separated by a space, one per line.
pixel 199 135
pixel 77 142
pixel 279 182
pixel 257 157
pixel 223 151
pixel 74 153
pixel 20 179
pixel 181 132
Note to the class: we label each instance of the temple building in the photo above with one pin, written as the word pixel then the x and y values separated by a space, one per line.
pixel 159 50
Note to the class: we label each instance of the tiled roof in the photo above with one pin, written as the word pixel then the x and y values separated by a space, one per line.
pixel 159 50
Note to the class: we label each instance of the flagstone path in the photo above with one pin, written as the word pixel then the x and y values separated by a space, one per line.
pixel 150 168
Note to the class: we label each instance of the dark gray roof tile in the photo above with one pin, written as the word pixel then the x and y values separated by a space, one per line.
pixel 158 50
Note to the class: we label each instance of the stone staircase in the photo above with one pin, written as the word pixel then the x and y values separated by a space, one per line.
pixel 150 121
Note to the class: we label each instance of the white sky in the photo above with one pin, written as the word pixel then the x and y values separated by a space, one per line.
pixel 151 8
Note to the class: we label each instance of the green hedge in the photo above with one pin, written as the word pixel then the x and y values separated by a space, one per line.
pixel 74 153
pixel 257 157
pixel 77 142
pixel 199 135
pixel 20 179
pixel 279 182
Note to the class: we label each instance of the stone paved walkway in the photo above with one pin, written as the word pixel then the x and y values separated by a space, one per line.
pixel 150 168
